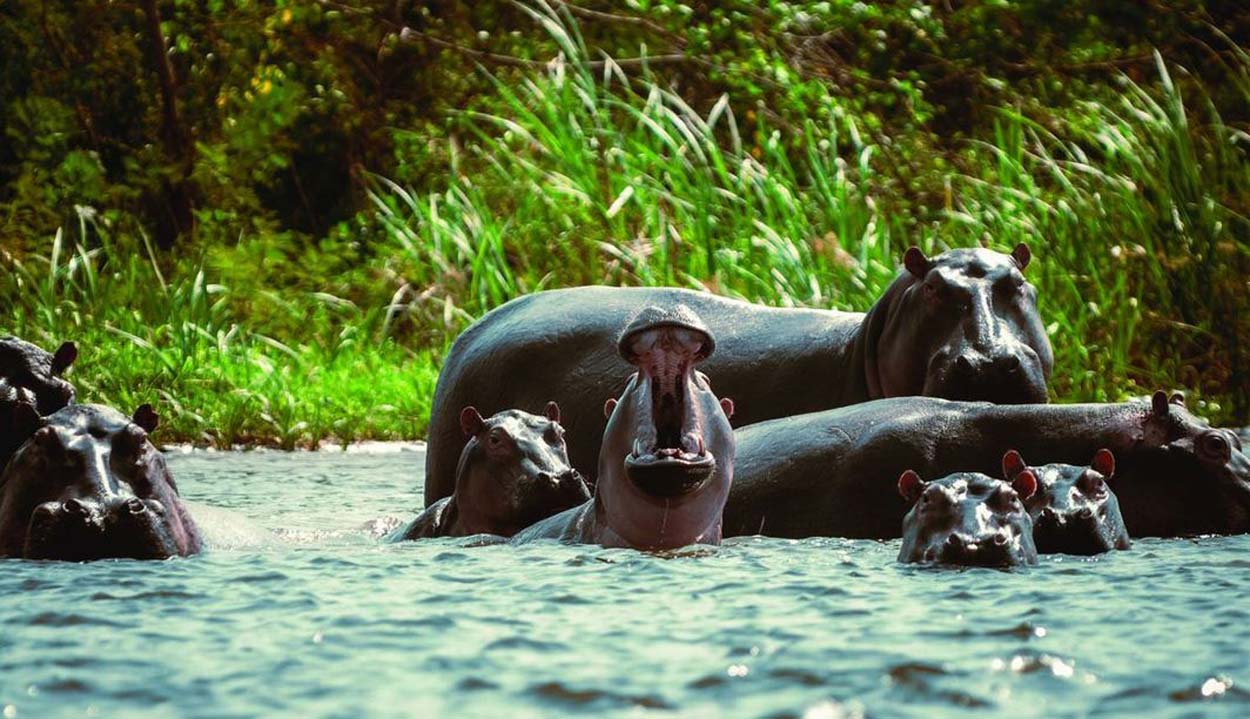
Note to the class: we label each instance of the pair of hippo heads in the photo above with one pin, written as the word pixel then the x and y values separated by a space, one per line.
pixel 968 518
pixel 29 375
pixel 514 471
pixel 89 485
pixel 666 463
pixel 961 325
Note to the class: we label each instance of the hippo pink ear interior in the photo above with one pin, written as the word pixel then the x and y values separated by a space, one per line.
pixel 552 411
pixel 608 407
pixel 916 263
pixel 1025 484
pixel 1021 254
pixel 727 406
pixel 1104 462
pixel 1013 464
pixel 64 357
pixel 147 418
pixel 471 421
pixel 1160 404
pixel 910 485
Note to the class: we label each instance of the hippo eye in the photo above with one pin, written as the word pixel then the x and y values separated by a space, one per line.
pixel 1216 446
pixel 554 434
pixel 1005 497
pixel 1092 485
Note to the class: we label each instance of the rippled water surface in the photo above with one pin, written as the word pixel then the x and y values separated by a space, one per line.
pixel 325 622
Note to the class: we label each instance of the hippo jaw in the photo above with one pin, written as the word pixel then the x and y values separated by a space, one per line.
pixel 669 458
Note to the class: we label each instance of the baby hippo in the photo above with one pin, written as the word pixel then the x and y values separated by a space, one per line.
pixel 27 366
pixel 968 518
pixel 514 471
pixel 666 462
pixel 89 485
pixel 1073 510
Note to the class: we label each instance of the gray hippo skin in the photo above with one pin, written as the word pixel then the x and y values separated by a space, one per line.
pixel 668 451
pixel 1074 510
pixel 825 474
pixel 27 366
pixel 89 485
pixel 12 435
pixel 513 472
pixel 963 325
pixel 968 519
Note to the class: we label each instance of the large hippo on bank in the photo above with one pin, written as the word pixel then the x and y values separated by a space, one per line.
pixel 962 325
pixel 969 519
pixel 668 451
pixel 513 472
pixel 89 485
pixel 828 473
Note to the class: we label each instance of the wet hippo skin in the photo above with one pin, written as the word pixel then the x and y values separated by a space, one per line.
pixel 968 519
pixel 1074 510
pixel 666 464
pixel 828 473
pixel 962 325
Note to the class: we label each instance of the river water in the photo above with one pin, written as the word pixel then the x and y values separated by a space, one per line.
pixel 324 621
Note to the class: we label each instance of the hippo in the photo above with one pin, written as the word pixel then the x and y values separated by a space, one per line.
pixel 668 451
pixel 824 473
pixel 1073 510
pixel 11 436
pixel 28 366
pixel 968 518
pixel 513 472
pixel 88 484
pixel 961 325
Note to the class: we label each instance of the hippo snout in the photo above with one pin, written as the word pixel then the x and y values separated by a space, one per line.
pixel 1011 374
pixel 992 550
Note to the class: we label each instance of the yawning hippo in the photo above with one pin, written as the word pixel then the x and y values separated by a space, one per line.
pixel 89 485
pixel 513 472
pixel 968 518
pixel 1073 511
pixel 667 459
pixel 27 366
pixel 826 473
pixel 962 325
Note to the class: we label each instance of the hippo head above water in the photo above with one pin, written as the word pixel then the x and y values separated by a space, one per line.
pixel 968 518
pixel 27 366
pixel 666 463
pixel 89 485
pixel 514 471
pixel 12 435
pixel 1073 510
pixel 1182 476
pixel 964 326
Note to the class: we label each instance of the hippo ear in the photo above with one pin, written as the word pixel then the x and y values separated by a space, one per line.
pixel 552 411
pixel 609 407
pixel 26 419
pixel 916 263
pixel 64 357
pixel 910 486
pixel 1021 255
pixel 147 418
pixel 1104 463
pixel 1159 404
pixel 1177 399
pixel 727 406
pixel 1013 464
pixel 1025 484
pixel 471 421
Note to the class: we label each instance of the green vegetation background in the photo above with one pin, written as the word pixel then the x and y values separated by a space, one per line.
pixel 272 218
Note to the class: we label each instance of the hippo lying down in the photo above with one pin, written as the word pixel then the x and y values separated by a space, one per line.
pixel 29 375
pixel 513 472
pixel 832 473
pixel 89 485
pixel 667 459
pixel 961 325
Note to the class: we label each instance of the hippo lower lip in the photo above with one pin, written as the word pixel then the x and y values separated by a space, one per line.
pixel 669 476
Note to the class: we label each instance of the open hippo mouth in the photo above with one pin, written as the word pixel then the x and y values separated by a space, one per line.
pixel 669 458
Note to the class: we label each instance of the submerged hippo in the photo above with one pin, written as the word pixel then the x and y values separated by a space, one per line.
pixel 1074 510
pixel 513 472
pixel 11 435
pixel 825 473
pixel 27 366
pixel 968 518
pixel 962 325
pixel 89 485
pixel 668 451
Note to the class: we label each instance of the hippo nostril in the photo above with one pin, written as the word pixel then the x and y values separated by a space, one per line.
pixel 134 505
pixel 963 363
pixel 1010 363
pixel 73 506
pixel 546 478
pixel 1000 539
pixel 1085 513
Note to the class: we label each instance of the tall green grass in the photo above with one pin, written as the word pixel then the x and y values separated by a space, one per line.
pixel 1134 207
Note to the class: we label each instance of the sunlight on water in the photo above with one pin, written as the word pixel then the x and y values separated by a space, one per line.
pixel 324 622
